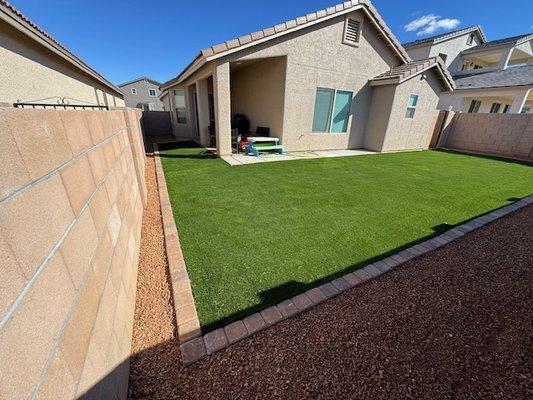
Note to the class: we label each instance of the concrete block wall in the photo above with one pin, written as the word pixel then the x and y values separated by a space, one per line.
pixel 509 135
pixel 72 193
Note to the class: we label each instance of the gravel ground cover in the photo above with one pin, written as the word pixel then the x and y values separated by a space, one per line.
pixel 455 323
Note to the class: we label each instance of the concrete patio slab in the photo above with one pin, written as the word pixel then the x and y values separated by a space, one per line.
pixel 244 159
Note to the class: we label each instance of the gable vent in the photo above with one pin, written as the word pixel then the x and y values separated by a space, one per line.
pixel 352 31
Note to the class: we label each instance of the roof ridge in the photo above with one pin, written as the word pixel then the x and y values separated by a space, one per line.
pixel 446 35
pixel 299 22
pixel 144 77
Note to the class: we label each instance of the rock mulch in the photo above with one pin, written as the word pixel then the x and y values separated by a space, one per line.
pixel 453 323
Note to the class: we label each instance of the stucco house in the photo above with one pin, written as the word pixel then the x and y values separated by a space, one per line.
pixel 36 68
pixel 490 76
pixel 334 79
pixel 142 93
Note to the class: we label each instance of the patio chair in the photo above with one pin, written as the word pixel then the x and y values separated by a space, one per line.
pixel 262 131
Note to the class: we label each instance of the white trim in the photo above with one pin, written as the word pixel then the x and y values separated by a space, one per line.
pixel 152 95
pixel 133 90
pixel 411 107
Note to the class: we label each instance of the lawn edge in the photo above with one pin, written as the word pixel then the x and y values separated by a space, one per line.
pixel 187 321
pixel 195 346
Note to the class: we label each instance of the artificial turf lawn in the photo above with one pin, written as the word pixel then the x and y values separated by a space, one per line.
pixel 254 235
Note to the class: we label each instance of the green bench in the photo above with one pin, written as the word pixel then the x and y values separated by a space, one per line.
pixel 255 149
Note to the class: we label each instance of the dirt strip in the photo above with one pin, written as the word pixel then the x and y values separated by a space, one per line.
pixel 455 323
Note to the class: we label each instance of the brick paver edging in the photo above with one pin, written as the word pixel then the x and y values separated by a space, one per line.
pixel 195 346
pixel 185 309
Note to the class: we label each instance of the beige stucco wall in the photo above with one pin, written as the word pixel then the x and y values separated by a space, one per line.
pixel 71 206
pixel 379 116
pixel 452 47
pixel 257 91
pixel 316 57
pixel 413 133
pixel 459 100
pixel 508 135
pixel 29 72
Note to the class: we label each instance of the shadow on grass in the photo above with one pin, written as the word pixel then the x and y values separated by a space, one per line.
pixel 487 156
pixel 290 289
pixel 197 151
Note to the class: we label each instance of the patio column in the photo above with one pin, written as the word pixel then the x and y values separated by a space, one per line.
pixel 222 98
pixel 504 58
pixel 519 101
pixel 203 111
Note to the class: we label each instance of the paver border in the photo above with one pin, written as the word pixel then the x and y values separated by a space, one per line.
pixel 194 346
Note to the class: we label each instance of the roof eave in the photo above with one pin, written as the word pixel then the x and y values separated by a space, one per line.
pixel 21 25
pixel 370 11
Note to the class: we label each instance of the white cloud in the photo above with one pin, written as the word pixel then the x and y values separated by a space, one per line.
pixel 431 23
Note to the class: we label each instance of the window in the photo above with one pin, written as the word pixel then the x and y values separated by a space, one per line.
pixel 152 92
pixel 411 106
pixel 470 39
pixel 133 90
pixel 525 110
pixel 495 108
pixel 179 104
pixel 474 106
pixel 352 31
pixel 151 107
pixel 332 110
pixel 443 56
pixel 506 109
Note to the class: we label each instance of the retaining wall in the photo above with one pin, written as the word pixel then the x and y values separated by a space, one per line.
pixel 72 194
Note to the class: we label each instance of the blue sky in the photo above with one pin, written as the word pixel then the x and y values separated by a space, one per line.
pixel 126 39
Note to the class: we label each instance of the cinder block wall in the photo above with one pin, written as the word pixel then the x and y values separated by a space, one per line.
pixel 509 135
pixel 72 194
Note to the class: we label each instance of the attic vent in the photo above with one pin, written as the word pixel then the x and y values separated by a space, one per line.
pixel 352 31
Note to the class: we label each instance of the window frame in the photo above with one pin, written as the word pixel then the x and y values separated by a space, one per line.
pixel 506 109
pixel 470 39
pixel 525 110
pixel 495 108
pixel 444 57
pixel 133 90
pixel 184 120
pixel 474 106
pixel 150 94
pixel 330 111
pixel 409 107
pixel 151 107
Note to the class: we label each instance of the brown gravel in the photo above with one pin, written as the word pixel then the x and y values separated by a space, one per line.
pixel 456 323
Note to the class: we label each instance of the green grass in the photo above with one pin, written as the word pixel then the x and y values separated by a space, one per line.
pixel 254 235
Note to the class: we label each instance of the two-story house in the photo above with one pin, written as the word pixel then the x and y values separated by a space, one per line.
pixel 142 93
pixel 490 76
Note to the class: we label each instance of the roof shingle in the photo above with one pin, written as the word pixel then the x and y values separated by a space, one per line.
pixel 448 35
pixel 515 76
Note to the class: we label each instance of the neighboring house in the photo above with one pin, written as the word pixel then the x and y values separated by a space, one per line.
pixel 35 68
pixel 490 77
pixel 333 79
pixel 142 93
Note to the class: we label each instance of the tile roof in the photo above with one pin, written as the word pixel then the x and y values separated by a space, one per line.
pixel 448 35
pixel 406 71
pixel 291 25
pixel 514 76
pixel 513 40
pixel 18 16
pixel 142 78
